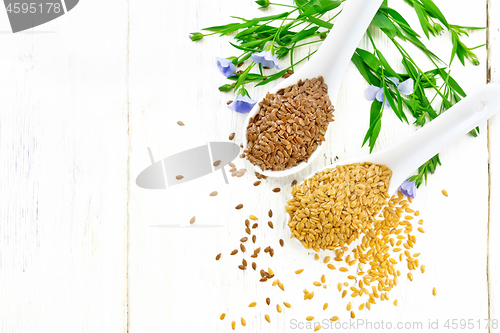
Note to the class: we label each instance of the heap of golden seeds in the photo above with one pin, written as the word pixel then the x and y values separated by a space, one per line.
pixel 332 208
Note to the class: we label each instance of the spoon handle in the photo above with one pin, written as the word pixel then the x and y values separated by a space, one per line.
pixel 341 42
pixel 407 155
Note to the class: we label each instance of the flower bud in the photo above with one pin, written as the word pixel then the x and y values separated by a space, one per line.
pixel 196 36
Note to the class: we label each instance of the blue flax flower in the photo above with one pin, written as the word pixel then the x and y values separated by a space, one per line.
pixel 374 92
pixel 266 59
pixel 226 67
pixel 242 104
pixel 408 188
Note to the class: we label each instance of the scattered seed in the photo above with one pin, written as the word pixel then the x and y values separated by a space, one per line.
pixel 234 252
pixel 310 318
pixel 325 306
pixel 410 276
pixel 422 269
pixel 244 239
pixel 243 322
pixel 268 301
pixel 267 318
pixel 251 305
pixel 222 316
pixel 434 291
pixel 299 271
pixel 349 306
pixel 330 266
pixel 282 242
pixel 214 193
pixel 316 257
pixel 254 266
pixel 294 182
pixel 317 284
pixel 253 217
pixel 287 304
pixel 326 260
pixel 271 252
pixel 242 247
pixel 281 286
pixel 247 230
pixel 217 257
pixel 317 328
pixel 395 302
pixel 244 262
pixel 323 278
pixel 361 307
pixel 233 324
pixel 254 238
pixel 270 224
pixel 192 220
pixel 257 183
pixel 276 189
pixel 179 177
pixel 217 163
pixel 421 230
pixel 239 206
pixel 445 193
pixel 180 123
pixel 278 307
pixel 247 223
pixel 231 136
pixel 353 315
pixel 242 267
pixel 334 318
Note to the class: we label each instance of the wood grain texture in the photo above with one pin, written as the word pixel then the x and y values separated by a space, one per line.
pixel 80 251
pixel 494 164
pixel 176 284
pixel 63 172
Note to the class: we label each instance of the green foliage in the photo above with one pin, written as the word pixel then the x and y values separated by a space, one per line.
pixel 303 24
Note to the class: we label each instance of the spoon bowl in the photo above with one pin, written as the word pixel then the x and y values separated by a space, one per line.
pixel 330 61
pixel 407 155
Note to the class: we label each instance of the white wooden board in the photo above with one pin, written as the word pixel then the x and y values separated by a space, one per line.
pixel 80 251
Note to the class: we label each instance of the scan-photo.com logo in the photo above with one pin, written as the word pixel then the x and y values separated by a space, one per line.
pixel 25 15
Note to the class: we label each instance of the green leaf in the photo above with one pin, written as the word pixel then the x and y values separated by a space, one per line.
pixel 387 67
pixel 272 78
pixel 242 78
pixel 303 34
pixel 369 59
pixel 375 116
pixel 375 132
pixel 364 70
pixel 381 21
pixel 422 18
pixel 434 11
pixel 248 31
pixel 397 17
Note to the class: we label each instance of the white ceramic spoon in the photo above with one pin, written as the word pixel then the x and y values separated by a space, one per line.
pixel 330 61
pixel 406 156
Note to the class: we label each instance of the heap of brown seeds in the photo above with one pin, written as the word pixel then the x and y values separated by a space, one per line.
pixel 333 207
pixel 290 125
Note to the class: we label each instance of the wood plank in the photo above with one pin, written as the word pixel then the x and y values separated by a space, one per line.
pixel 494 164
pixel 63 173
pixel 173 274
